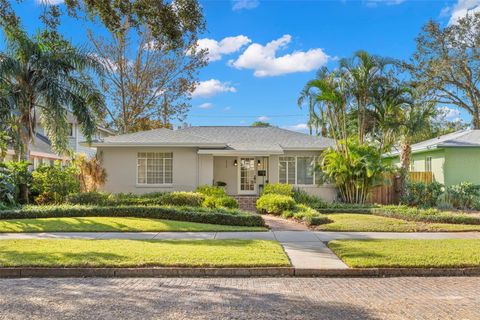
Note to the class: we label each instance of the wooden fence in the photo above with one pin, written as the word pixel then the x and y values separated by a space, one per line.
pixel 389 192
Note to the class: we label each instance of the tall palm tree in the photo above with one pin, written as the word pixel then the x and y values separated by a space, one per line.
pixel 363 72
pixel 38 80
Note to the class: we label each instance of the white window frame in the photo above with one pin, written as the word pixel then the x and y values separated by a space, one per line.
pixel 428 160
pixel 146 173
pixel 412 165
pixel 315 159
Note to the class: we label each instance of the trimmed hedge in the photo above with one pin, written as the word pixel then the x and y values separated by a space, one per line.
pixel 275 203
pixel 278 188
pixel 220 202
pixel 425 215
pixel 176 198
pixel 202 215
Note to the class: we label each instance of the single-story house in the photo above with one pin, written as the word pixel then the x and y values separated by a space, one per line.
pixel 243 158
pixel 452 158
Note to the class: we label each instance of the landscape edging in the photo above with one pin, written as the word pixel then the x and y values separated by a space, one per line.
pixel 234 272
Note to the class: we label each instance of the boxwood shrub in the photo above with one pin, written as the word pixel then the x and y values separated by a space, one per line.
pixel 275 203
pixel 220 202
pixel 193 214
pixel 278 188
pixel 306 214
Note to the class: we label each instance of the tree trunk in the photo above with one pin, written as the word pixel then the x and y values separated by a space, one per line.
pixel 476 119
pixel 405 155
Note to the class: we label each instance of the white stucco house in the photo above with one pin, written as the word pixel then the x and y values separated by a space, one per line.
pixel 244 158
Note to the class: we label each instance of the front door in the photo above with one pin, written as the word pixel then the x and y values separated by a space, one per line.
pixel 247 176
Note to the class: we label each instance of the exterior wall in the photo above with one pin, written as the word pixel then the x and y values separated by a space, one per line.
pixel 205 169
pixel 419 160
pixel 326 192
pixel 462 164
pixel 121 166
pixel 225 171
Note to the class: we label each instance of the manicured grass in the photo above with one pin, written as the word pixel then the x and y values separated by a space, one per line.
pixel 408 253
pixel 368 222
pixel 141 253
pixel 106 224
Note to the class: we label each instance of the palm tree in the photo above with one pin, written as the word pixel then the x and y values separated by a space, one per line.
pixel 39 78
pixel 417 116
pixel 363 72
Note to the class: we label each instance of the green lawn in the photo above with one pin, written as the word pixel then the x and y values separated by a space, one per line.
pixel 408 253
pixel 105 224
pixel 141 253
pixel 367 222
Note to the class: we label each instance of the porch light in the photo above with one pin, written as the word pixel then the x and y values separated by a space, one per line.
pixel 259 163
pixel 235 163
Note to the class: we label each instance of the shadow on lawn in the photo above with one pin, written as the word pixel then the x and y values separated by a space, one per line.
pixel 83 224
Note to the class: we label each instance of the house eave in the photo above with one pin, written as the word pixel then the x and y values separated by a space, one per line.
pixel 239 152
pixel 153 144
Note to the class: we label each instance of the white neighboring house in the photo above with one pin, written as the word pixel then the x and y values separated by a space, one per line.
pixel 244 158
pixel 41 150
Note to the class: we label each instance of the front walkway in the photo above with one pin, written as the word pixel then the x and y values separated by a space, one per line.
pixel 306 249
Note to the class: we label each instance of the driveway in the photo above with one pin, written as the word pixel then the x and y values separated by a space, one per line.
pixel 253 298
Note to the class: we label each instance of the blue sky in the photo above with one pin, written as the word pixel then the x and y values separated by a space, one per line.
pixel 270 49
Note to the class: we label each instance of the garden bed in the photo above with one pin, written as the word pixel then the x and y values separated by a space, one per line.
pixel 117 224
pixel 450 253
pixel 142 253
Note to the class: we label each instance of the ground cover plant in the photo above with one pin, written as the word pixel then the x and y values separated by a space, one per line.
pixel 450 253
pixel 347 222
pixel 141 253
pixel 116 224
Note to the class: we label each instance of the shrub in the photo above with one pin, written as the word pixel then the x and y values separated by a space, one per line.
pixel 92 198
pixel 463 196
pixel 278 188
pixel 193 214
pixel 275 203
pixel 56 181
pixel 212 191
pixel 422 194
pixel 181 198
pixel 220 202
pixel 306 214
pixel 425 215
pixel 302 197
pixel 7 186
pixel 22 179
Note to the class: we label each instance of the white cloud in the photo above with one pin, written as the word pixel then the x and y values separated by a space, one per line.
pixel 375 3
pixel 49 2
pixel 461 9
pixel 244 4
pixel 212 87
pixel 206 105
pixel 263 118
pixel 264 61
pixel 450 114
pixel 302 127
pixel 216 49
pixel 227 108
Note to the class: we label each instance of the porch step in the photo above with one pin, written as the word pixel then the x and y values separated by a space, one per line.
pixel 247 203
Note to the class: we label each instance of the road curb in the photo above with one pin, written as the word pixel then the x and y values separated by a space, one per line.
pixel 233 272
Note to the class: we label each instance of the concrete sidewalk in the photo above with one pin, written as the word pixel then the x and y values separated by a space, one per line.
pixel 307 250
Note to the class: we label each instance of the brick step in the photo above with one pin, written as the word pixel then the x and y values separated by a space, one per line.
pixel 247 203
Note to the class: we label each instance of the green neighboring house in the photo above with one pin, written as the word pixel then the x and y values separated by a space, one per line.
pixel 452 158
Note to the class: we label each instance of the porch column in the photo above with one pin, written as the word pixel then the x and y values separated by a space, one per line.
pixel 205 169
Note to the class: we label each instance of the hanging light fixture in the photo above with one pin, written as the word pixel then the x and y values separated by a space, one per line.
pixel 235 162
pixel 259 163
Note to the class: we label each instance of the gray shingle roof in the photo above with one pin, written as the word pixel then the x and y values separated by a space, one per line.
pixel 231 137
pixel 462 138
